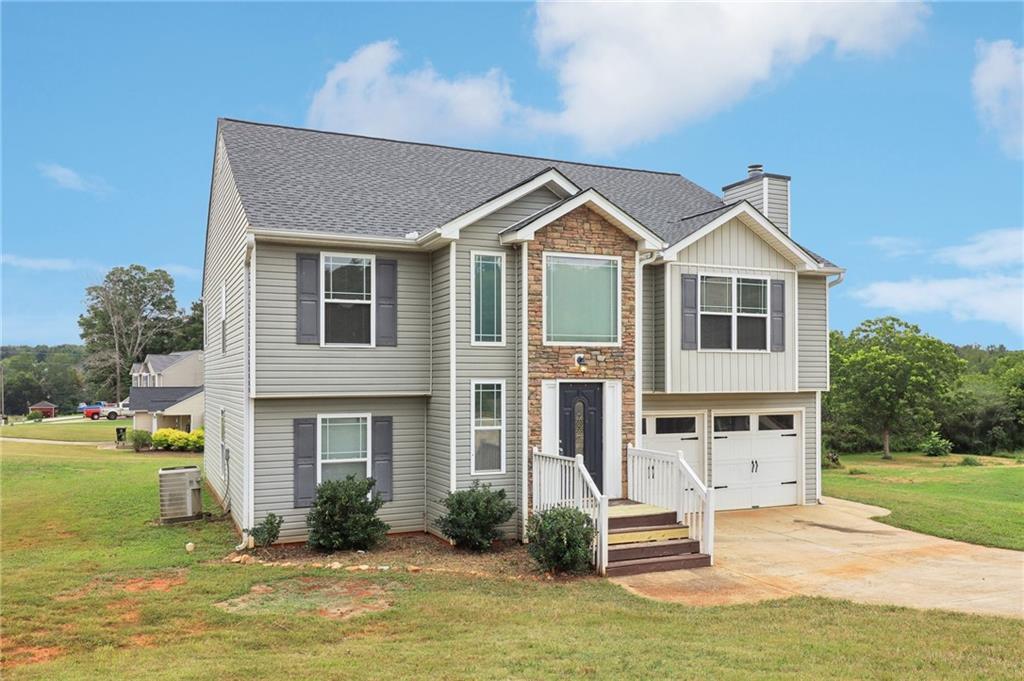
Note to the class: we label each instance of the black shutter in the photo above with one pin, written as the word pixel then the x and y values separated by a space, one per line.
pixel 387 302
pixel 304 461
pixel 383 456
pixel 689 310
pixel 778 315
pixel 307 304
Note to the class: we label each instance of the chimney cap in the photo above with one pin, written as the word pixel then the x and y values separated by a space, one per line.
pixel 755 169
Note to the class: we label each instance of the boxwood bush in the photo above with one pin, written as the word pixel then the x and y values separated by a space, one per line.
pixel 474 516
pixel 140 439
pixel 344 516
pixel 561 539
pixel 267 531
pixel 179 440
pixel 34 416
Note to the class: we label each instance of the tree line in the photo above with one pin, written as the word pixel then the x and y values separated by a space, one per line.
pixel 892 385
pixel 130 314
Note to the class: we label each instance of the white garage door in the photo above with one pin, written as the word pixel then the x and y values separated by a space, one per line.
pixel 675 433
pixel 755 460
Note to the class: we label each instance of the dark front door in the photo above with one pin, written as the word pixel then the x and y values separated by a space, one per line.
pixel 580 426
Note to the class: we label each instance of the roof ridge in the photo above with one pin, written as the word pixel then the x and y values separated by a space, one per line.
pixel 710 210
pixel 453 148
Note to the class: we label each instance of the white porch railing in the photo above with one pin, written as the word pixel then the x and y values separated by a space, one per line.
pixel 564 481
pixel 665 479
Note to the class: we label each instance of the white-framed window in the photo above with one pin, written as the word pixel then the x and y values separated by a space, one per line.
pixel 582 299
pixel 733 313
pixel 347 299
pixel 487 298
pixel 488 427
pixel 343 446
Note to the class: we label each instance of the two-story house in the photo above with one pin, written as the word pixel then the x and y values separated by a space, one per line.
pixel 433 317
pixel 167 391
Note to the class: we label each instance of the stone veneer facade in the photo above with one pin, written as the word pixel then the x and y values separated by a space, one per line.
pixel 582 231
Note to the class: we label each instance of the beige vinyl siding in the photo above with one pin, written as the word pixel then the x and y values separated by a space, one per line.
pixel 186 372
pixel 781 401
pixel 438 427
pixel 225 372
pixel 284 367
pixel 777 210
pixel 752 191
pixel 497 363
pixel 813 333
pixel 273 478
pixel 731 250
pixel 653 328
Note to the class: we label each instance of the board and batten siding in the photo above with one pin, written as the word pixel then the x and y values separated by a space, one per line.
pixel 813 332
pixel 438 426
pixel 224 370
pixel 731 250
pixel 654 328
pixel 274 454
pixel 284 367
pixel 666 404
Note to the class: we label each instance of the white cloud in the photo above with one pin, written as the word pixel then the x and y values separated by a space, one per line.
pixel 48 264
pixel 181 271
pixel 997 84
pixel 895 246
pixel 994 298
pixel 67 178
pixel 366 95
pixel 992 249
pixel 626 72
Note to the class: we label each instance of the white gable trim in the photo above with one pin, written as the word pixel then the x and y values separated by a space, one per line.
pixel 591 197
pixel 760 225
pixel 552 179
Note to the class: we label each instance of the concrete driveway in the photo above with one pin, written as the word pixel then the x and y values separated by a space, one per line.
pixel 835 550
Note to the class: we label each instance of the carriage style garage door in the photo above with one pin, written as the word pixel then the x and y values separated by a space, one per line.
pixel 677 433
pixel 755 459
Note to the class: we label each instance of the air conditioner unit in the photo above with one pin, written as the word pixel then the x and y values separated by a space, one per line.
pixel 181 494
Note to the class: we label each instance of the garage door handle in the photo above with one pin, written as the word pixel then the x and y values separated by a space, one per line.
pixel 721 437
pixel 690 438
pixel 791 482
pixel 721 486
pixel 789 435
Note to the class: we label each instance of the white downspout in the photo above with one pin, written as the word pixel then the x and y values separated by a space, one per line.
pixel 247 509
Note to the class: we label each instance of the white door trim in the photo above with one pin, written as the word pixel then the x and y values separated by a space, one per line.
pixel 611 392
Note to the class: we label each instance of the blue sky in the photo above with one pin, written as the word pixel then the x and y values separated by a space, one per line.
pixel 900 124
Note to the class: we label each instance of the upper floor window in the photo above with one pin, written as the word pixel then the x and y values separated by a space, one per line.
pixel 733 313
pixel 581 299
pixel 488 294
pixel 347 299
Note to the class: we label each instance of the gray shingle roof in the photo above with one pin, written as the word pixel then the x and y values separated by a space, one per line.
pixel 309 180
pixel 158 399
pixel 160 362
pixel 295 179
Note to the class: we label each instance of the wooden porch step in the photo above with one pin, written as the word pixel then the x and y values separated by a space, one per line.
pixel 647 533
pixel 648 519
pixel 652 549
pixel 658 564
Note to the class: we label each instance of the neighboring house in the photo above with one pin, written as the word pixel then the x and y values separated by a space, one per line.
pixel 428 315
pixel 47 409
pixel 167 392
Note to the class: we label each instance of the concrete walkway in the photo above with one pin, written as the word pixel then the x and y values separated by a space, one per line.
pixel 4 438
pixel 835 550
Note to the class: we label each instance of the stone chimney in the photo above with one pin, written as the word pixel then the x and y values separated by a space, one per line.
pixel 768 192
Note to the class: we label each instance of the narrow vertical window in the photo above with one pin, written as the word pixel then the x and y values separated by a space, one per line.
pixel 488 295
pixel 347 299
pixel 488 427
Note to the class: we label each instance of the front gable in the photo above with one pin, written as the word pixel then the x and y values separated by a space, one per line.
pixel 734 244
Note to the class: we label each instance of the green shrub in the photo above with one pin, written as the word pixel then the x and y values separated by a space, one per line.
pixel 936 445
pixel 34 416
pixel 267 531
pixel 561 539
pixel 344 516
pixel 140 439
pixel 197 440
pixel 162 438
pixel 474 515
pixel 831 460
pixel 970 461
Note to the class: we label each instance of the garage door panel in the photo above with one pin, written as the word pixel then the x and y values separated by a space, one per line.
pixel 678 434
pixel 757 467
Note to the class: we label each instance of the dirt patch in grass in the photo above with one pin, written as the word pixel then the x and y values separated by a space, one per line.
pixel 165 581
pixel 126 610
pixel 16 657
pixel 321 596
pixel 413 553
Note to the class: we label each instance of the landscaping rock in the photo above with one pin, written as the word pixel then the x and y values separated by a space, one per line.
pixel 247 560
pixel 383 568
pixel 237 559
pixel 190 547
pixel 364 567
pixel 352 568
pixel 414 568
pixel 335 566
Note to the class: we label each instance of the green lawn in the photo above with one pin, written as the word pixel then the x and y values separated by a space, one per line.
pixel 79 430
pixel 978 504
pixel 77 525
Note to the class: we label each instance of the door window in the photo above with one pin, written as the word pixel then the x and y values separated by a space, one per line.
pixel 732 424
pixel 676 424
pixel 775 422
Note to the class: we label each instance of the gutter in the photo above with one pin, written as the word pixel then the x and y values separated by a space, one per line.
pixel 841 275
